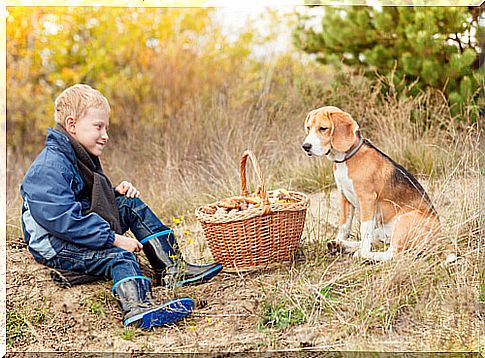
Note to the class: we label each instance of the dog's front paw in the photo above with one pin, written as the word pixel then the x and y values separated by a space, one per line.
pixel 335 247
pixel 365 259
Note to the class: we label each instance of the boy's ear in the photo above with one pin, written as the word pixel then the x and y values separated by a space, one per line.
pixel 70 124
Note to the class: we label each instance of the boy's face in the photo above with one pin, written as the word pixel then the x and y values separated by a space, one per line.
pixel 91 131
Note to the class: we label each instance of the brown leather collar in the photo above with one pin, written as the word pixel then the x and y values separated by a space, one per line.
pixel 350 154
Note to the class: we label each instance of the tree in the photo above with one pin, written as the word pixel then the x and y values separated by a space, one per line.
pixel 149 63
pixel 434 47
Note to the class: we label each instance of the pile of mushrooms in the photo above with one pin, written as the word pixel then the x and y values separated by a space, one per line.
pixel 241 203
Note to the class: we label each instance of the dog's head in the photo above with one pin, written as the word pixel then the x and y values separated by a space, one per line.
pixel 329 128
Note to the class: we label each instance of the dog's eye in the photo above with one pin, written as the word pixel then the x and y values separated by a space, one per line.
pixel 322 129
pixel 308 129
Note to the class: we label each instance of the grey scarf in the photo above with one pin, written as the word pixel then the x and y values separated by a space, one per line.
pixel 97 183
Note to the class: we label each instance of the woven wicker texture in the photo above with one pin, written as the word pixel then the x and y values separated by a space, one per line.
pixel 258 236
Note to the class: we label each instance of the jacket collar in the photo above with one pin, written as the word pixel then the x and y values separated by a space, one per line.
pixel 60 143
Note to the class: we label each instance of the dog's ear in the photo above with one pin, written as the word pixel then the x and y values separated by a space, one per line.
pixel 305 124
pixel 343 131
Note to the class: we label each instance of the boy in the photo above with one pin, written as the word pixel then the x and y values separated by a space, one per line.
pixel 73 219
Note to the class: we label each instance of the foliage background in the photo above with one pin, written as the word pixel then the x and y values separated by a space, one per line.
pixel 438 47
pixel 148 62
pixel 153 63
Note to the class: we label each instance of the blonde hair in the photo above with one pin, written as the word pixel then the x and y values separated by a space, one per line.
pixel 76 100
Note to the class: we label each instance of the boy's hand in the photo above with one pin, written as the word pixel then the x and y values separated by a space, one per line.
pixel 127 243
pixel 127 189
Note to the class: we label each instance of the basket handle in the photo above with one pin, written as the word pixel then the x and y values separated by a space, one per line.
pixel 261 188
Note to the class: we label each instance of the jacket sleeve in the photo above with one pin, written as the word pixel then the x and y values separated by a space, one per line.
pixel 53 205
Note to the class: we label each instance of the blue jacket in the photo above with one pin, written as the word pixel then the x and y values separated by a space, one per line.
pixel 54 203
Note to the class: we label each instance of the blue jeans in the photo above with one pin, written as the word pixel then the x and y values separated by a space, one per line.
pixel 113 263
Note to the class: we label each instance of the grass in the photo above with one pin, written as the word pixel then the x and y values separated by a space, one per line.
pixel 20 322
pixel 16 326
pixel 325 293
pixel 129 333
pixel 95 307
pixel 99 303
pixel 280 315
pixel 412 303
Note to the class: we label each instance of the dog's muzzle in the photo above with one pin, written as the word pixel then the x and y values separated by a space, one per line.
pixel 307 147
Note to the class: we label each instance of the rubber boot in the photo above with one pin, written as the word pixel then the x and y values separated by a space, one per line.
pixel 140 310
pixel 170 269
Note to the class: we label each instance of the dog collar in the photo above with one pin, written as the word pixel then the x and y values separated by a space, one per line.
pixel 352 152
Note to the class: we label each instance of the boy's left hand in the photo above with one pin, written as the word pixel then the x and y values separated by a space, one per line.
pixel 127 189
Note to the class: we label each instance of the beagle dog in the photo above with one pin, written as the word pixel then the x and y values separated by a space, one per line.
pixel 393 206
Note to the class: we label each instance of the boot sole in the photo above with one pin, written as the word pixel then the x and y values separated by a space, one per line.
pixel 206 276
pixel 167 313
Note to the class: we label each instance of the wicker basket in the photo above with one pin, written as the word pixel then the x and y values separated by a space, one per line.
pixel 255 237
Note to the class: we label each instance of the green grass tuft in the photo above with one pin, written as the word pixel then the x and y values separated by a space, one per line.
pixel 19 320
pixel 326 293
pixel 99 303
pixel 280 316
pixel 128 333
pixel 16 327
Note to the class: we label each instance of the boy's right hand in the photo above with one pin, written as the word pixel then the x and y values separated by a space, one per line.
pixel 127 243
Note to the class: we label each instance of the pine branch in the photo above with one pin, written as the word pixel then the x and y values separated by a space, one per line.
pixel 457 39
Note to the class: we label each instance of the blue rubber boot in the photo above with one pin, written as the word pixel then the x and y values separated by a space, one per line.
pixel 140 310
pixel 170 269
